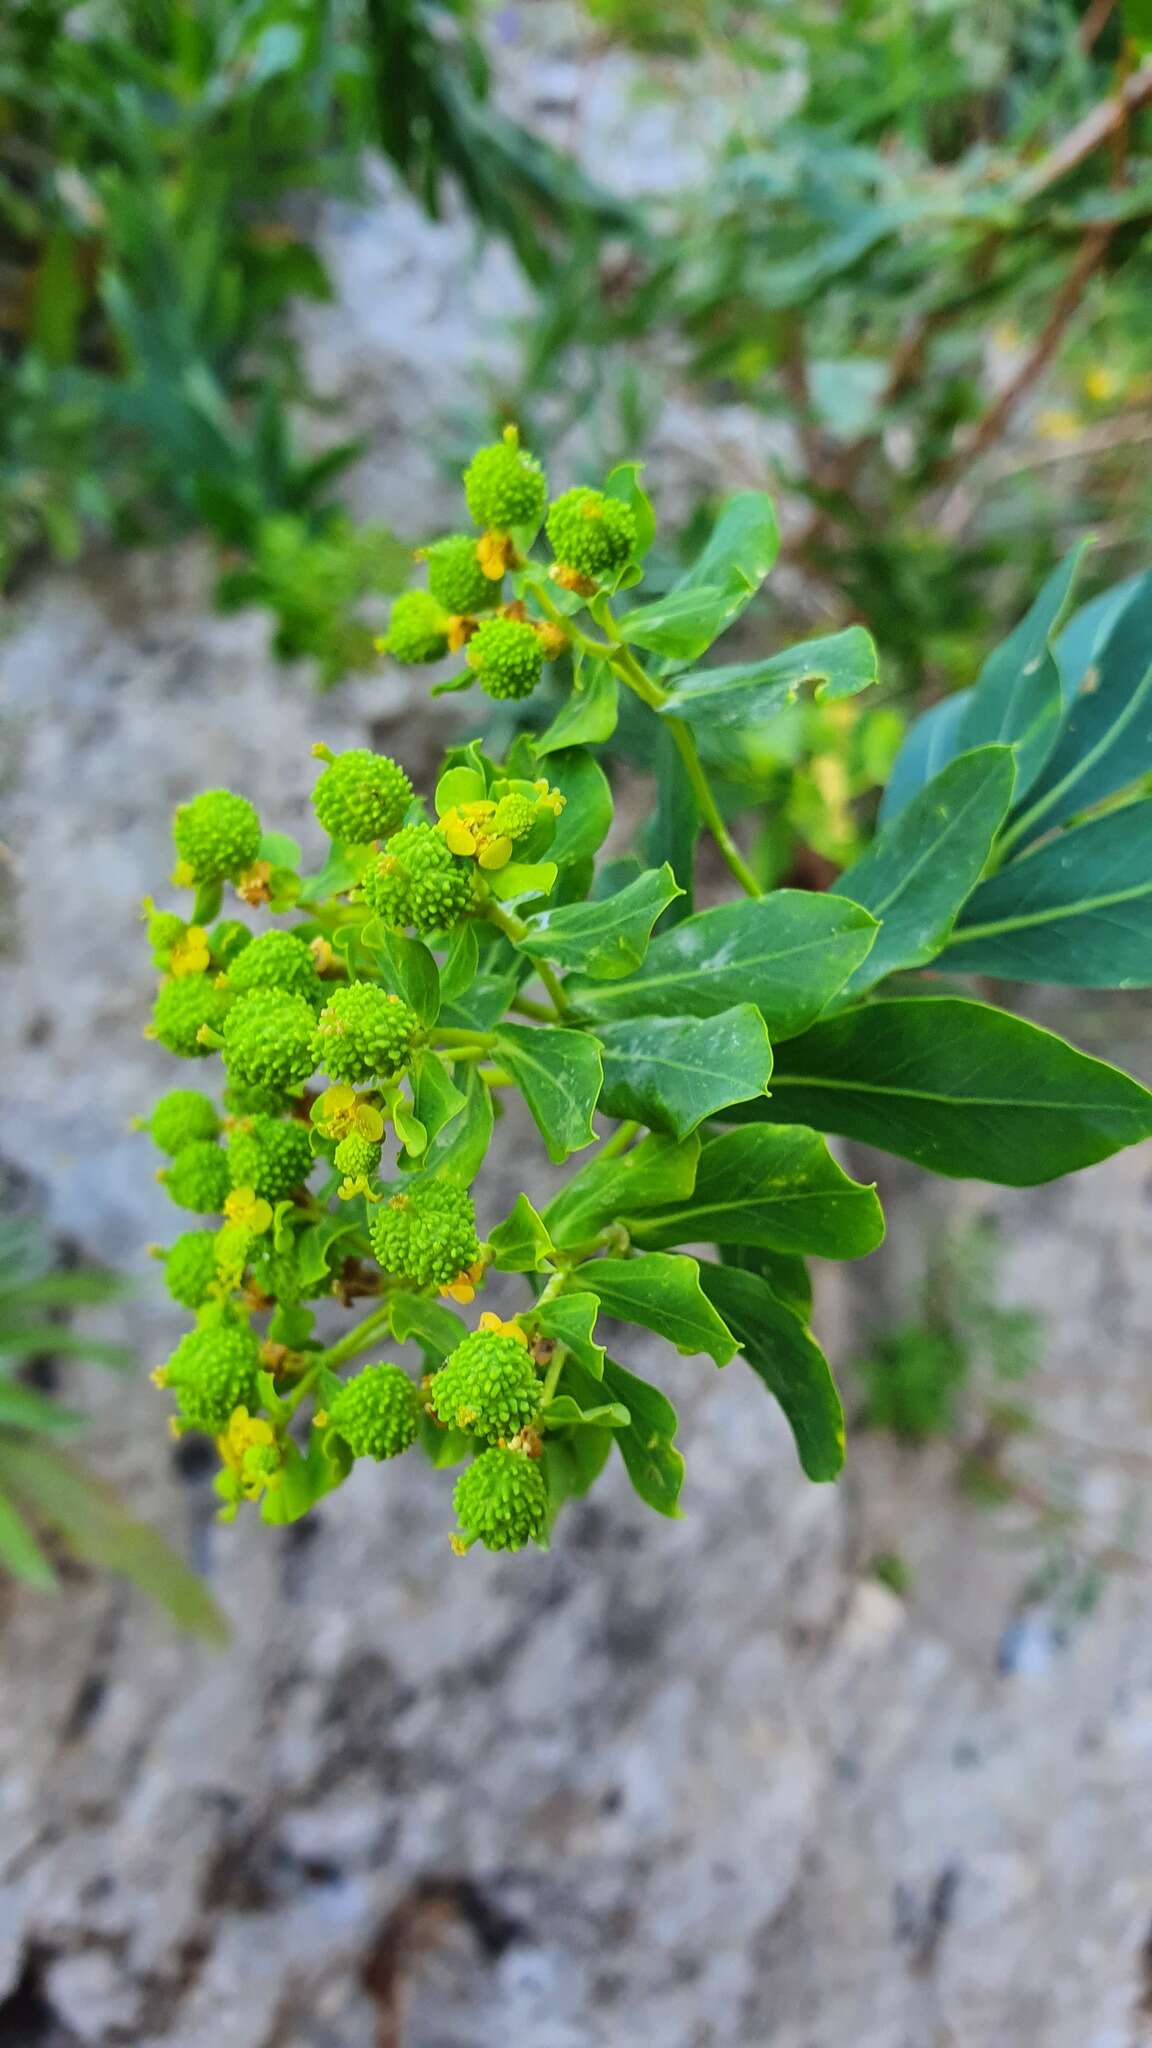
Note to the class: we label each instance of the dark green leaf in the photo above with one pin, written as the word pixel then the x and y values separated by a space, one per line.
pixel 583 823
pixel 1078 909
pixel 928 747
pixel 1106 743
pixel 571 1319
pixel 788 953
pixel 482 1004
pixel 23 1407
pixel 435 1329
pixel 98 1529
pixel 655 1172
pixel 1017 697
pixel 573 1462
pixel 565 1412
pixel 436 1099
pixel 789 1194
pixel 459 1152
pixel 460 965
pixel 606 939
pixel 590 714
pixel 782 1350
pixel 521 1243
pixel 672 1073
pixel 918 874
pixel 671 832
pixel 559 1075
pixel 1079 644
pixel 662 1292
pixel 788 1277
pixel 965 1090
pixel 741 550
pixel 654 1466
pixel 750 692
pixel 407 969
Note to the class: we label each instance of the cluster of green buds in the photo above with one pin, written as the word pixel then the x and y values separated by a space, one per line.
pixel 592 536
pixel 449 955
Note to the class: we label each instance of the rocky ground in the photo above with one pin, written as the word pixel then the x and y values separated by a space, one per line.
pixel 707 1782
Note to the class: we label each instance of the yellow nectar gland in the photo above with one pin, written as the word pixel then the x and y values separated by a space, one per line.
pixel 189 955
pixel 496 554
pixel 463 1288
pixel 571 579
pixel 341 1113
pixel 465 834
pixel 253 885
pixel 461 627
pixel 493 1327
pixel 321 953
pixel 183 875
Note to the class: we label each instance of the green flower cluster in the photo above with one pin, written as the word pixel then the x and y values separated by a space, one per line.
pixel 426 1233
pixel 418 882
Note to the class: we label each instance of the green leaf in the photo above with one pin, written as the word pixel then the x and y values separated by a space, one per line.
pixel 460 964
pixel 20 1553
pixel 672 1073
pixel 1078 909
pixel 1080 643
pixel 521 1243
pixel 788 953
pixel 459 1156
pixel 460 785
pixel 959 1088
pixel 481 1005
pixel 564 1412
pixel 787 1193
pixel 590 714
pixel 583 823
pixel 559 1075
pixel 570 1320
pixel 443 1447
pixel 522 878
pixel 750 692
pixel 928 747
pixel 573 1463
pixel 661 1291
pixel 741 550
pixel 608 938
pixel 623 482
pixel 1017 697
pixel 655 1172
pixel 281 851
pixel 340 872
pixel 23 1407
pixel 1106 743
pixel 783 1352
pixel 654 1466
pixel 317 1245
pixel 436 1099
pixel 788 1277
pixel 918 874
pixel 671 832
pixel 435 1329
pixel 406 968
pixel 98 1529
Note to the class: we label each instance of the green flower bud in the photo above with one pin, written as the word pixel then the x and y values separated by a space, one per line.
pixel 268 1042
pixel 181 1007
pixel 514 816
pixel 505 486
pixel 277 1274
pixel 227 939
pixel 417 881
pixel 164 929
pixel 179 1117
pixel 427 1233
pixel 591 534
pixel 271 1155
pixel 417 628
pixel 455 577
pixel 361 796
pixel 276 960
pixel 364 1032
pixel 217 834
pixel 211 1372
pixel 190 1267
pixel 488 1385
pixel 198 1177
pixel 376 1413
pixel 501 1500
pixel 357 1158
pixel 507 655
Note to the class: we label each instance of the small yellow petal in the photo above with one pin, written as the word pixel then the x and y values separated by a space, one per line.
pixel 495 853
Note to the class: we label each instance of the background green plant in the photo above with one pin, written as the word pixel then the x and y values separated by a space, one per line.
pixel 48 1501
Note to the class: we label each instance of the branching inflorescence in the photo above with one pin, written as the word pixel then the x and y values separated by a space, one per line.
pixel 455 949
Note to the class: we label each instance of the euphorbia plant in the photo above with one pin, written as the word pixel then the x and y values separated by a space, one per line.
pixel 454 949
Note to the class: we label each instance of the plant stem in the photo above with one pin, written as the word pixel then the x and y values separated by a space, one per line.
pixel 619 1140
pixel 473 1042
pixel 527 1008
pixel 709 809
pixel 514 928
pixel 353 1341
